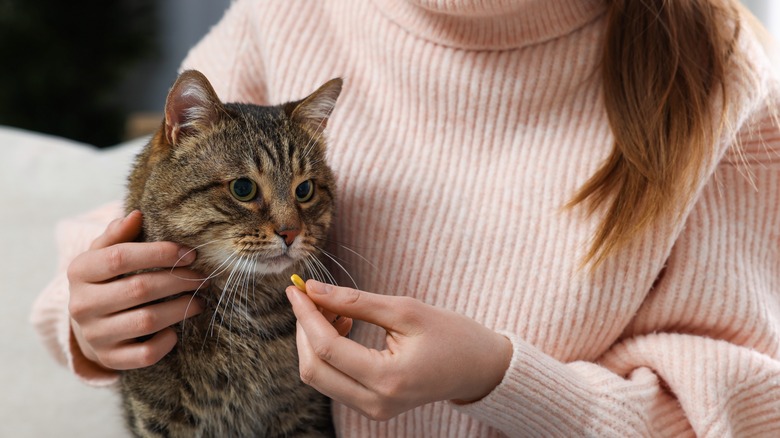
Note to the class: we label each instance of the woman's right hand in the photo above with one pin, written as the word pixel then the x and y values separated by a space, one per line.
pixel 109 311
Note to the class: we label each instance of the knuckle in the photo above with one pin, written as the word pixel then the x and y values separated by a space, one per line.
pixel 89 335
pixel 352 296
pixel 115 260
pixel 378 410
pixel 145 321
pixel 77 307
pixel 324 351
pixel 408 310
pixel 407 304
pixel 391 388
pixel 74 271
pixel 106 359
pixel 138 288
pixel 306 373
pixel 162 253
pixel 148 355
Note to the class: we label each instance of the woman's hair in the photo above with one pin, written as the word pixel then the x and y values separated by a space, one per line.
pixel 664 68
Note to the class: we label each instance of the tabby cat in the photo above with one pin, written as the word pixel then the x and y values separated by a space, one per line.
pixel 248 187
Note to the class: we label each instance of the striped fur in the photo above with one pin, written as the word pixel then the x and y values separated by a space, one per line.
pixel 234 371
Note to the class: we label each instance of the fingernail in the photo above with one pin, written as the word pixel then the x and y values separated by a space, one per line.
pixel 291 291
pixel 318 288
pixel 128 215
pixel 186 255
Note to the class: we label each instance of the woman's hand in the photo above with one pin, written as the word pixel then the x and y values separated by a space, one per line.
pixel 431 353
pixel 107 310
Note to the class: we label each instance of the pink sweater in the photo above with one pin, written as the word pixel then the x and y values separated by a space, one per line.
pixel 463 129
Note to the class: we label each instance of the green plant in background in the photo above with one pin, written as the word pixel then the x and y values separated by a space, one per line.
pixel 63 63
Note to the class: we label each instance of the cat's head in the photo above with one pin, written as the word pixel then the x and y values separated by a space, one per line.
pixel 246 185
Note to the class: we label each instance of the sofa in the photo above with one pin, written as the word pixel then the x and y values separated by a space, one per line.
pixel 45 179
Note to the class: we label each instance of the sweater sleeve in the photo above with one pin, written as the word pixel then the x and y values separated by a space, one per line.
pixel 702 355
pixel 231 58
pixel 50 315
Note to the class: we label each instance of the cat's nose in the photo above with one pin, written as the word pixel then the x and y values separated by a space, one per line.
pixel 288 235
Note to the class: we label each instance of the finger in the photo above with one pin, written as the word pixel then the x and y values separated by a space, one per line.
pixel 92 300
pixel 326 379
pixel 146 287
pixel 347 356
pixel 140 354
pixel 121 230
pixel 327 314
pixel 389 312
pixel 343 325
pixel 122 258
pixel 143 321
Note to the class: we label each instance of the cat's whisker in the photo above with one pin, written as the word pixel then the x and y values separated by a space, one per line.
pixel 333 259
pixel 239 282
pixel 327 276
pixel 379 277
pixel 189 303
pixel 176 264
pixel 315 269
pixel 307 271
pixel 253 278
pixel 310 270
pixel 368 262
pixel 248 273
pixel 219 270
pixel 222 295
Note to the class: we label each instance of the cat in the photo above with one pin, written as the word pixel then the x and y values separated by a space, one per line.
pixel 249 188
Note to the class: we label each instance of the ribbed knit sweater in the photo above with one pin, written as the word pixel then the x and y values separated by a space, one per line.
pixel 463 129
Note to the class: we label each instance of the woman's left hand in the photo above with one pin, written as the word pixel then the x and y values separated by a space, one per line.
pixel 431 353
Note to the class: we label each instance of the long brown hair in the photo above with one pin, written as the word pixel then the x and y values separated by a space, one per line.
pixel 664 68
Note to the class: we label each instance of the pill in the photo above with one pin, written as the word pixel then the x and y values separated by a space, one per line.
pixel 298 282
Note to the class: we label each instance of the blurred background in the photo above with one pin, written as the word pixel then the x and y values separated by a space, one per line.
pixel 91 70
pixel 98 71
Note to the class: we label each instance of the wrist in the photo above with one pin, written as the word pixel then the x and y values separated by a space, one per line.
pixel 498 357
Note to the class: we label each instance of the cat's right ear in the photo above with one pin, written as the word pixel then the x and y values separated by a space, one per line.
pixel 192 106
pixel 314 110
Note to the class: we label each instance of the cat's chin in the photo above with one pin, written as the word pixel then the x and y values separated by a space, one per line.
pixel 273 265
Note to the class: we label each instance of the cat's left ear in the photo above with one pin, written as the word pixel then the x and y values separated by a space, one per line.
pixel 313 111
pixel 192 106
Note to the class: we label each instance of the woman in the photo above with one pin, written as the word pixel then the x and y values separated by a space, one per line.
pixel 565 211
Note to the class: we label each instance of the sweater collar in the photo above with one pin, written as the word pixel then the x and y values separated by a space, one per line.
pixel 491 24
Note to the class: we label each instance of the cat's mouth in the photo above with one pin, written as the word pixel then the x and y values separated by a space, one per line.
pixel 281 262
pixel 269 265
pixel 251 263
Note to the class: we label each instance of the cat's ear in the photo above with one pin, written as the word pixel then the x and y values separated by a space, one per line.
pixel 192 106
pixel 313 111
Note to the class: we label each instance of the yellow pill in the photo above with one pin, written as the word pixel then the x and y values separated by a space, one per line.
pixel 298 282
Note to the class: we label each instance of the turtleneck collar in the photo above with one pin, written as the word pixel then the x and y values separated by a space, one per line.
pixel 491 24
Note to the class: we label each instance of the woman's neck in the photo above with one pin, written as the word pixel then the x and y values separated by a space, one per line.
pixel 490 24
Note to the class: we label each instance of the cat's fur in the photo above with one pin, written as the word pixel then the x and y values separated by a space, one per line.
pixel 234 371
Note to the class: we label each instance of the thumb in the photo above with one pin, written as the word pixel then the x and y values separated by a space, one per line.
pixel 388 312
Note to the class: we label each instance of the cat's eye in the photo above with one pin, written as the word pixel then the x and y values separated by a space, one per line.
pixel 304 191
pixel 243 189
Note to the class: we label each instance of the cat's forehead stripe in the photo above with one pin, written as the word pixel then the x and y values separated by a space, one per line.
pixel 197 190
